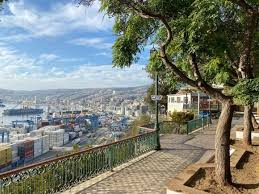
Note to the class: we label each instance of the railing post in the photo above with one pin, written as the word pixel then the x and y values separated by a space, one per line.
pixel 110 157
pixel 1 183
pixel 202 122
pixel 135 147
pixel 158 146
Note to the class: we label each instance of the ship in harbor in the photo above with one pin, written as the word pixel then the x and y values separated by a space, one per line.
pixel 22 111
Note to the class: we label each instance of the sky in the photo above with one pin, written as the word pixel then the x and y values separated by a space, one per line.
pixel 58 44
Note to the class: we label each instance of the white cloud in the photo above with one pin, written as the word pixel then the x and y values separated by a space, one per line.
pixel 20 71
pixel 48 57
pixel 103 54
pixel 96 42
pixel 59 20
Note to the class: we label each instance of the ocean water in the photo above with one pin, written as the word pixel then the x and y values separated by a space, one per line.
pixel 7 120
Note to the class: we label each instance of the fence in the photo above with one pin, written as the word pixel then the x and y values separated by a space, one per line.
pixel 197 123
pixel 178 128
pixel 172 127
pixel 61 173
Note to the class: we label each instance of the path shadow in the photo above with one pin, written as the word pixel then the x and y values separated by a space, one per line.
pixel 246 186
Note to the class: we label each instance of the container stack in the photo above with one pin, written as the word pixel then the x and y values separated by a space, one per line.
pixel 20 136
pixel 28 147
pixel 49 128
pixel 5 155
pixel 25 150
pixel 37 146
pixel 15 156
pixel 45 144
pixel 56 138
pixel 36 133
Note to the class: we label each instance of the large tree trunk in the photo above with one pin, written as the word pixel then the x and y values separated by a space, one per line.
pixel 222 144
pixel 248 125
pixel 255 124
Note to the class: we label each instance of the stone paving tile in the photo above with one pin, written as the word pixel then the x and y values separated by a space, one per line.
pixel 151 174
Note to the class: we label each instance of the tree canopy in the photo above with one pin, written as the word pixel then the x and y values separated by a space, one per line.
pixel 201 41
pixel 246 92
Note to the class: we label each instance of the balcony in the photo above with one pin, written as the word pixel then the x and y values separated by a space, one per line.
pixel 62 173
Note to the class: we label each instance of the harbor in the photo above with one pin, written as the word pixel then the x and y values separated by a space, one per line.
pixel 29 138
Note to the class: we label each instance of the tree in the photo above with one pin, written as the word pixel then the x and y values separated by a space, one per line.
pixel 76 148
pixel 140 121
pixel 247 93
pixel 202 42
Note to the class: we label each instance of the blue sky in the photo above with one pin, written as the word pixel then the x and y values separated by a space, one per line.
pixel 57 44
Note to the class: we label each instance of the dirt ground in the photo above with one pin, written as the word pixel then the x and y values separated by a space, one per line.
pixel 245 180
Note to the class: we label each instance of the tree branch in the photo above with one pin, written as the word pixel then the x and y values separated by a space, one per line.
pixel 243 4
pixel 250 28
pixel 193 63
pixel 200 84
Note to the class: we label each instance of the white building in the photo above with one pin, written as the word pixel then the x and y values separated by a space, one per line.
pixel 183 101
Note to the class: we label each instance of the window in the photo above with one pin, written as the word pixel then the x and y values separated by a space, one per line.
pixel 172 99
pixel 178 99
pixel 185 99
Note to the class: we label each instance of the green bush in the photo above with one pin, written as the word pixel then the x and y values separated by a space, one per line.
pixel 181 117
pixel 140 121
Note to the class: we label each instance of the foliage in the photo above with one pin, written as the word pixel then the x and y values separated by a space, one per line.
pixel 164 90
pixel 246 91
pixel 212 30
pixel 168 82
pixel 140 121
pixel 181 117
pixel 75 148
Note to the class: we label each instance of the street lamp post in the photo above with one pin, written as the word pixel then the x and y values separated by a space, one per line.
pixel 156 98
pixel 157 122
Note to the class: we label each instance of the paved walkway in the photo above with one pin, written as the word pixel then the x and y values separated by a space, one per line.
pixel 150 174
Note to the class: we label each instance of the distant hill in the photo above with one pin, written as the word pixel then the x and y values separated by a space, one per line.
pixel 70 94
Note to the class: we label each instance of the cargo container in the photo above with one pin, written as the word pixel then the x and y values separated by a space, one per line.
pixel 25 149
pixel 5 155
pixel 56 138
pixel 14 150
pixel 66 138
pixel 36 133
pixel 44 123
pixel 76 141
pixel 37 145
pixel 80 134
pixel 72 135
pixel 5 168
pixel 20 162
pixel 45 144
pixel 28 159
pixel 14 164
pixel 19 136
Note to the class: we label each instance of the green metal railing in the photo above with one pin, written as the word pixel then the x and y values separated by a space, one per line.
pixel 172 127
pixel 198 123
pixel 61 173
pixel 178 128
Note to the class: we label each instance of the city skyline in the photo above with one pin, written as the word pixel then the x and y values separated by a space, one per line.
pixel 61 45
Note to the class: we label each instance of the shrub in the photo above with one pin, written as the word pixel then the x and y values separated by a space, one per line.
pixel 181 117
